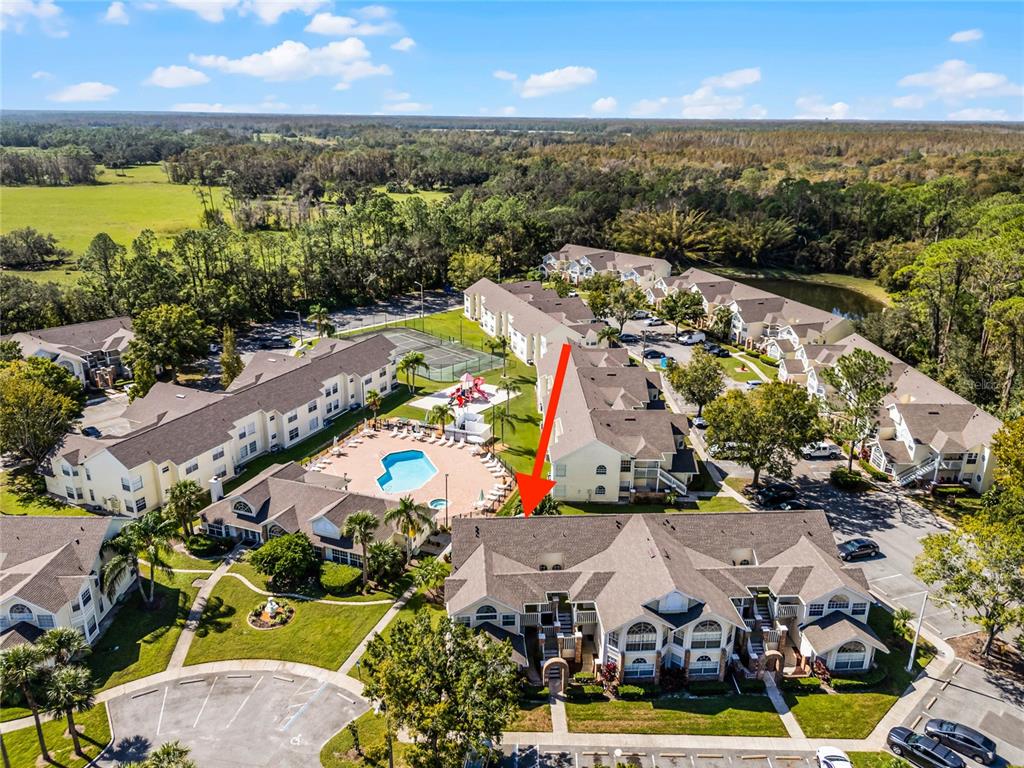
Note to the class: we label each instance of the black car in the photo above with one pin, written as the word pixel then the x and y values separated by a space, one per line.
pixel 855 549
pixel 628 338
pixel 91 432
pixel 652 354
pixel 922 750
pixel 964 740
pixel 277 343
pixel 786 505
pixel 716 350
pixel 773 493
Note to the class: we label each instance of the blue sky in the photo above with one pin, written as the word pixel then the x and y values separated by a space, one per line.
pixel 934 61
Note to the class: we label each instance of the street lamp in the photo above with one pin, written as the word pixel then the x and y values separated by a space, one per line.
pixel 299 316
pixel 421 301
pixel 917 632
pixel 445 499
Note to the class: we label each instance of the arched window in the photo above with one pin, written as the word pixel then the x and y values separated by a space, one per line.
pixel 838 603
pixel 703 665
pixel 707 634
pixel 638 668
pixel 642 637
pixel 602 469
pixel 241 507
pixel 20 612
pixel 486 613
pixel 599 491
pixel 852 655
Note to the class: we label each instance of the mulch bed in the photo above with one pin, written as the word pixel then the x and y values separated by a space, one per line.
pixel 1003 657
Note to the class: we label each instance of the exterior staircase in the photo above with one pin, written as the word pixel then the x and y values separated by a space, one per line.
pixel 908 476
pixel 755 646
pixel 672 482
pixel 762 609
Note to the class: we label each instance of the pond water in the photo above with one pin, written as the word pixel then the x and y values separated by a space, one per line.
pixel 832 298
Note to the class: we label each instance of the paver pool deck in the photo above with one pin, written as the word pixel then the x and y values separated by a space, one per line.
pixel 467 476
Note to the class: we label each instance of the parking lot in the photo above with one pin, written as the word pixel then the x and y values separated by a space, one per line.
pixel 232 720
pixel 662 339
pixel 544 756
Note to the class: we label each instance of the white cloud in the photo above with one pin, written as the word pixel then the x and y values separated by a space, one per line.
pixel 397 95
pixel 966 36
pixel 208 10
pixel 116 13
pixel 15 14
pixel 407 107
pixel 176 76
pixel 910 101
pixel 269 104
pixel 706 103
pixel 90 91
pixel 955 80
pixel 605 105
pixel 291 60
pixel 649 107
pixel 339 26
pixel 374 12
pixel 979 113
pixel 815 108
pixel 557 81
pixel 42 74
pixel 267 11
pixel 404 45
pixel 738 78
pixel 504 74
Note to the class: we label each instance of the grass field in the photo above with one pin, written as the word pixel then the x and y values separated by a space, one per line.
pixel 706 716
pixel 318 634
pixel 716 504
pixel 140 641
pixel 24 494
pixel 23 747
pixel 340 751
pixel 120 205
pixel 428 195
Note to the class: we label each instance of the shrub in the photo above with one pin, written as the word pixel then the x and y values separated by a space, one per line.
pixel 631 692
pixel 873 472
pixel 533 692
pixel 708 687
pixel 673 679
pixel 847 479
pixel 593 692
pixel 584 678
pixel 768 360
pixel 800 684
pixel 750 685
pixel 338 579
pixel 946 491
pixel 385 562
pixel 287 560
pixel 204 545
pixel 870 679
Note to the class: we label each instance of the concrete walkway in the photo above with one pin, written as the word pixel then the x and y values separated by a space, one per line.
pixel 357 654
pixel 779 702
pixel 303 598
pixel 559 720
pixel 188 633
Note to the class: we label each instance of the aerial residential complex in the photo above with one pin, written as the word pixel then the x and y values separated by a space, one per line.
pixel 89 351
pixel 182 433
pixel 927 432
pixel 651 592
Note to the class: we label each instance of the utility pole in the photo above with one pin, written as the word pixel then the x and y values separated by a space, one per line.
pixel 421 303
pixel 445 499
pixel 299 316
pixel 917 633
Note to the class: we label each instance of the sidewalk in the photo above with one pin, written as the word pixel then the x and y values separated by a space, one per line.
pixel 349 663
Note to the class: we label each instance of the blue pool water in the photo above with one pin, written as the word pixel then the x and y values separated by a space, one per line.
pixel 438 503
pixel 405 471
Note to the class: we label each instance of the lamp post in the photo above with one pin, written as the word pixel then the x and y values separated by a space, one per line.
pixel 917 632
pixel 421 302
pixel 299 316
pixel 445 499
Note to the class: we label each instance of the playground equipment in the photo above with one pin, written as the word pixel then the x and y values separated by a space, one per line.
pixel 467 390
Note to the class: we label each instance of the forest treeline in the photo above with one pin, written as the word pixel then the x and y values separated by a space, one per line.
pixel 935 213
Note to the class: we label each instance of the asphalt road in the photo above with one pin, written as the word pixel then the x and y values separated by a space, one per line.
pixel 533 756
pixel 662 339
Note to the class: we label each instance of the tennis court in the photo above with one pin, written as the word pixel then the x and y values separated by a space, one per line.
pixel 446 360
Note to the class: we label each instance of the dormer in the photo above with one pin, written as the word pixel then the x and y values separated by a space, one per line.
pixel 241 507
pixel 742 556
pixel 550 561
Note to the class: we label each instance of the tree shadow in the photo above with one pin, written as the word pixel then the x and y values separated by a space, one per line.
pixel 30 489
pixel 130 749
pixel 216 617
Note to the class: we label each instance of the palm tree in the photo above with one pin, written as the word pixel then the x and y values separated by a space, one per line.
pixel 318 314
pixel 373 401
pixel 69 690
pixel 609 334
pixel 410 518
pixel 430 575
pixel 20 668
pixel 360 527
pixel 504 419
pixel 172 754
pixel 721 323
pixel 149 536
pixel 511 388
pixel 408 365
pixel 63 644
pixel 500 345
pixel 184 500
pixel 440 414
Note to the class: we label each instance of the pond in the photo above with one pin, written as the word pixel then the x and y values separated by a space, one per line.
pixel 832 298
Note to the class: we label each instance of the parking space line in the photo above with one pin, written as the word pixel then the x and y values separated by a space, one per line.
pixel 298 714
pixel 160 720
pixel 346 698
pixel 244 702
pixel 190 682
pixel 144 693
pixel 203 708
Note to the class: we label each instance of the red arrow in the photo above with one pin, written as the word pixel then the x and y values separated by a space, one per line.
pixel 533 487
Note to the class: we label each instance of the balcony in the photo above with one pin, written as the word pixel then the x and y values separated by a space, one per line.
pixel 529 620
pixel 787 611
pixel 586 617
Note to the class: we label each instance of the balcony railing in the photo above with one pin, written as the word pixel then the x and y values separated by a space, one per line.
pixel 530 620
pixel 787 611
pixel 586 617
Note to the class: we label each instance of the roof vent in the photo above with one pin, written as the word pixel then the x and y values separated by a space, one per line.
pixel 271 359
pixel 180 397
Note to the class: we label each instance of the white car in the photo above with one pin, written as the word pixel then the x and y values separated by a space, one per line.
pixel 691 338
pixel 822 451
pixel 830 757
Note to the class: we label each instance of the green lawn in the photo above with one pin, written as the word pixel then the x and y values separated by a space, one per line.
pixel 712 505
pixel 244 568
pixel 706 716
pixel 13 713
pixel 876 760
pixel 427 195
pixel 23 747
pixel 25 494
pixel 855 715
pixel 140 641
pixel 184 561
pixel 121 206
pixel 339 752
pixel 417 602
pixel 318 634
pixel 732 366
pixel 771 372
pixel 533 717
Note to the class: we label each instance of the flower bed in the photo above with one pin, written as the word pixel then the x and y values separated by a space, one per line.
pixel 260 619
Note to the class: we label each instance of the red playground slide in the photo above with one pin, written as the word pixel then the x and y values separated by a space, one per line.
pixel 478 388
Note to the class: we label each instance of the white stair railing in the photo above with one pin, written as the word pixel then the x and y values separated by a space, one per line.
pixel 910 475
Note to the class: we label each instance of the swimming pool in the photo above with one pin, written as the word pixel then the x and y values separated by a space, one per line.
pixel 438 503
pixel 405 471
